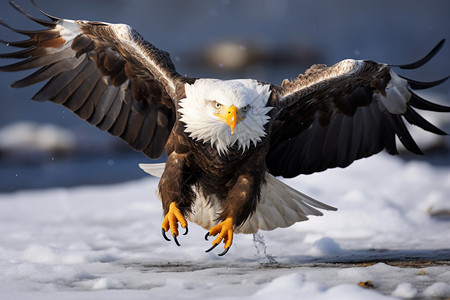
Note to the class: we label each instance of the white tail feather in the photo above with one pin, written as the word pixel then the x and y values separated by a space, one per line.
pixel 279 206
pixel 153 169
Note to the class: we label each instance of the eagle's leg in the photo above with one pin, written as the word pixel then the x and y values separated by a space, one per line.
pixel 225 231
pixel 171 220
pixel 176 194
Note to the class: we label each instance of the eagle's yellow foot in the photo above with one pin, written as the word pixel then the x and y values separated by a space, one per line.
pixel 225 231
pixel 171 222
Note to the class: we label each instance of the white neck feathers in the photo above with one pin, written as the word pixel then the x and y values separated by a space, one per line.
pixel 201 123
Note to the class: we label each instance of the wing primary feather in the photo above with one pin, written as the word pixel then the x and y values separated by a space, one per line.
pixel 133 126
pixel 367 140
pixel 59 81
pixel 420 103
pixel 79 97
pixel 314 160
pixel 45 23
pixel 85 69
pixel 20 44
pixel 416 119
pixel 418 85
pixel 404 135
pixel 87 109
pixel 43 33
pixel 288 154
pixel 389 141
pixel 35 62
pixel 119 125
pixel 40 75
pixel 147 129
pixel 378 139
pixel 20 66
pixel 377 142
pixel 113 112
pixel 424 60
pixel 104 104
pixel 331 142
pixel 31 51
pixel 345 142
pixel 45 73
pixel 368 137
pixel 43 12
pixel 156 147
pixel 357 135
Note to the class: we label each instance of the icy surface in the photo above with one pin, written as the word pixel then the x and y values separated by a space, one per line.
pixel 104 242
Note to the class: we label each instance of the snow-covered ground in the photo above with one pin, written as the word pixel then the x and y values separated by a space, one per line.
pixel 104 242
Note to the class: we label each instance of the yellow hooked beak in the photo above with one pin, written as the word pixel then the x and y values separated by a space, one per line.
pixel 231 117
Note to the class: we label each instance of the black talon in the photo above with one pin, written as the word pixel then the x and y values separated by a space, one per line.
pixel 213 246
pixel 224 252
pixel 175 239
pixel 164 234
pixel 207 235
pixel 186 232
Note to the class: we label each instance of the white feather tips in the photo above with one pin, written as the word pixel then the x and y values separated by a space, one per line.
pixel 281 206
pixel 397 95
pixel 153 169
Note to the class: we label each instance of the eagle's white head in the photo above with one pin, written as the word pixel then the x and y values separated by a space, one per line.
pixel 226 112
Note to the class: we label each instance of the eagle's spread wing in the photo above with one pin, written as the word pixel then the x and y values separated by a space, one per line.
pixel 331 116
pixel 106 73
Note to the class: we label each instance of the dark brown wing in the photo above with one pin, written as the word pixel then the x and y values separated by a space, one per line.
pixel 330 117
pixel 105 73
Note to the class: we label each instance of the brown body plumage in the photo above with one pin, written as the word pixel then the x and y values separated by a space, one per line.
pixel 235 179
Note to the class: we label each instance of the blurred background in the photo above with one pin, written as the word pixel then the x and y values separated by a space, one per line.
pixel 45 145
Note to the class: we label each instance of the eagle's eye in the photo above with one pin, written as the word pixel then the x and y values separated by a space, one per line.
pixel 217 105
pixel 245 109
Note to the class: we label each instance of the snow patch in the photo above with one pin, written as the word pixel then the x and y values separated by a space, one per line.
pixel 325 246
pixel 405 290
pixel 107 284
pixel 292 286
pixel 437 290
pixel 35 137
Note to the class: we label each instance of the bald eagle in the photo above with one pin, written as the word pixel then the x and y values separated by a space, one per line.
pixel 225 140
